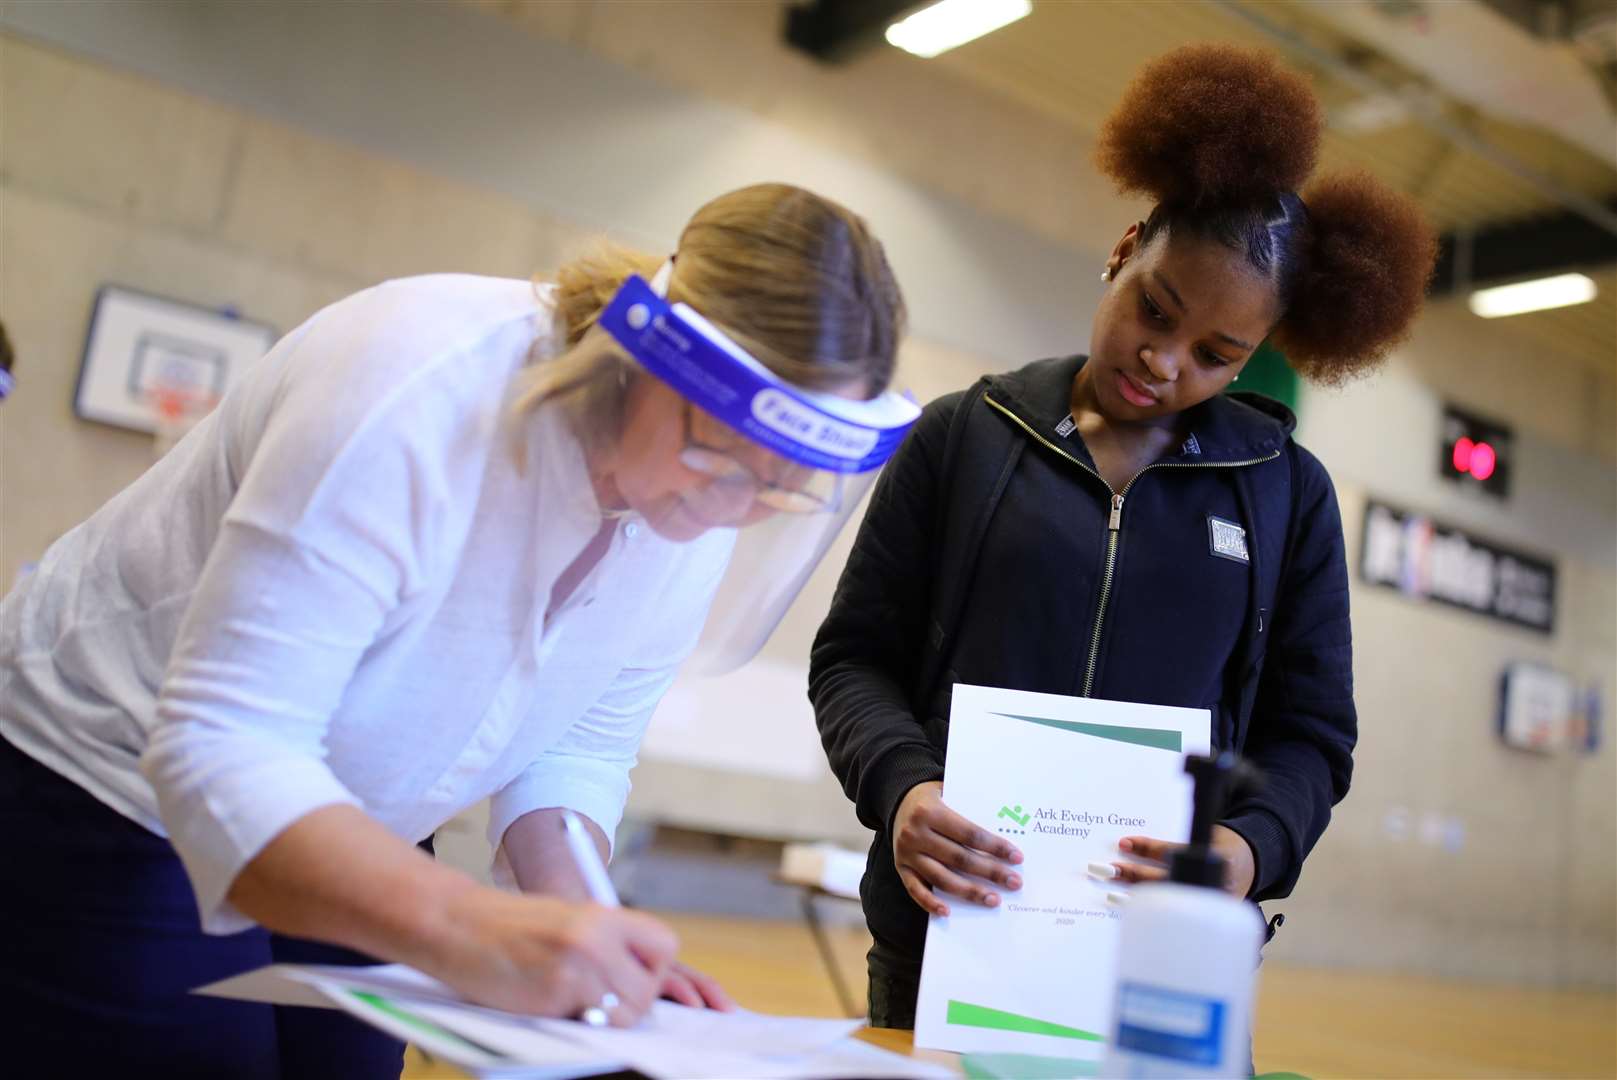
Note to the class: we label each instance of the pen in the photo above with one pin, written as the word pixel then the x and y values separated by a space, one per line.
pixel 600 890
pixel 588 860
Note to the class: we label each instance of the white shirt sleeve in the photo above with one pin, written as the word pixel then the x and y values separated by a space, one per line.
pixel 588 770
pixel 342 502
pixel 270 640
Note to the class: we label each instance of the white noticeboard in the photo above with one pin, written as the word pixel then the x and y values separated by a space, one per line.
pixel 1064 779
pixel 1536 709
pixel 141 347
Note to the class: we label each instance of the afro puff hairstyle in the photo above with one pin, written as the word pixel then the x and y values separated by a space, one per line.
pixel 1223 138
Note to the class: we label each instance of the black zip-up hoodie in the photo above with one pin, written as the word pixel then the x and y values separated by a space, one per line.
pixel 993 553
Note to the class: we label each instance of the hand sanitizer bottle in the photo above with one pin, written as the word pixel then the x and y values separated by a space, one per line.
pixel 1187 958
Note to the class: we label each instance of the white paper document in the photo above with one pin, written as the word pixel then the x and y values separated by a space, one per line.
pixel 673 1041
pixel 1063 779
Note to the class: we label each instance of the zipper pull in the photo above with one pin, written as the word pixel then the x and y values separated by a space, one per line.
pixel 1116 521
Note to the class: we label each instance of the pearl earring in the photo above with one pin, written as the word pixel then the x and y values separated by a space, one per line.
pixel 1106 275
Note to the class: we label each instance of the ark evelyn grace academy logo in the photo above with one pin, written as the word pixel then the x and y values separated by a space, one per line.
pixel 1015 814
pixel 1012 820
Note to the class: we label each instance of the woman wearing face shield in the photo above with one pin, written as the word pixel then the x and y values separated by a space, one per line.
pixel 448 541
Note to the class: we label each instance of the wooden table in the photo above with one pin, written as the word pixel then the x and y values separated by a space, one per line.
pixel 903 1042
pixel 899 1042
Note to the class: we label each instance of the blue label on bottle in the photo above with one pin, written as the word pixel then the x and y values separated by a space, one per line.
pixel 1171 1024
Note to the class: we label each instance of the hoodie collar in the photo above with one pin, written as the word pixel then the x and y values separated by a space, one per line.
pixel 1227 429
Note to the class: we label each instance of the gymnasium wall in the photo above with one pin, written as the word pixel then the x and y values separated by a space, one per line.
pixel 276 157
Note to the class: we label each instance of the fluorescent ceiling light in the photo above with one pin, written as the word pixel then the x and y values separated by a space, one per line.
pixel 950 23
pixel 1551 292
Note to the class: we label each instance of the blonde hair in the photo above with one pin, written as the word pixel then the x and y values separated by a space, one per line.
pixel 796 280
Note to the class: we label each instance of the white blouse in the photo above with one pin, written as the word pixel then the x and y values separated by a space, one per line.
pixel 333 590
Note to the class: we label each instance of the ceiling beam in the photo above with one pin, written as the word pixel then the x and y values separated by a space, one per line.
pixel 1429 113
pixel 1534 247
pixel 833 31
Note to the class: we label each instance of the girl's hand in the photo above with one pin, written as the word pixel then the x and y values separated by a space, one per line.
pixel 935 848
pixel 1239 864
pixel 550 957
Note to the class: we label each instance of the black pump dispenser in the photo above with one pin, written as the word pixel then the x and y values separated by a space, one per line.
pixel 1215 778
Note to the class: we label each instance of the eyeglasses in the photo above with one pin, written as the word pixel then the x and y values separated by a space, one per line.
pixel 788 493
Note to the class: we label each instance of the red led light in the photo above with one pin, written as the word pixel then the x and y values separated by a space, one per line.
pixel 1474 453
pixel 1462 454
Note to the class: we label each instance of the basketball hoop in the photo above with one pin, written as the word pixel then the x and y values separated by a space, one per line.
pixel 176 409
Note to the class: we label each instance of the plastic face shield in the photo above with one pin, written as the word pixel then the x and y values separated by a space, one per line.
pixel 783 467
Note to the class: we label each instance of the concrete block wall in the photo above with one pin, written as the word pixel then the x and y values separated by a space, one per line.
pixel 1531 892
pixel 108 176
pixel 1031 170
pixel 1523 886
pixel 888 107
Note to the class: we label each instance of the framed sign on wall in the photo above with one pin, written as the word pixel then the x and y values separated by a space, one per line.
pixel 1539 709
pixel 1433 562
pixel 147 357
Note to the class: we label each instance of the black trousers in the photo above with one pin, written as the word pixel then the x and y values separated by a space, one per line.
pixel 102 946
pixel 895 982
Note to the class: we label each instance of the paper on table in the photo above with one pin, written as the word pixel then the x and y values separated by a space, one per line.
pixel 416 1007
pixel 673 1040
pixel 1064 779
pixel 293 984
pixel 486 1042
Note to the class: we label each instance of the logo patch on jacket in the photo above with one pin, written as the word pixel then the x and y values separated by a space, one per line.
pixel 1227 539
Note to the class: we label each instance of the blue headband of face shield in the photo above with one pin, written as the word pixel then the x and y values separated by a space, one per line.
pixel 690 354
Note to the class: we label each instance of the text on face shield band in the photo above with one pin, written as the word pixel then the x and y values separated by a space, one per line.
pixel 684 350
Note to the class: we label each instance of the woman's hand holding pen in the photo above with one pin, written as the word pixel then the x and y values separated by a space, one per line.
pixel 338 875
pixel 559 853
pixel 551 957
pixel 938 851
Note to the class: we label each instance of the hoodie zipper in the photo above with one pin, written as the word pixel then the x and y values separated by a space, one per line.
pixel 1114 523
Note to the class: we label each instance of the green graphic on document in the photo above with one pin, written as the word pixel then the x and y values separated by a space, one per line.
pixel 1156 738
pixel 1015 814
pixel 965 1014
